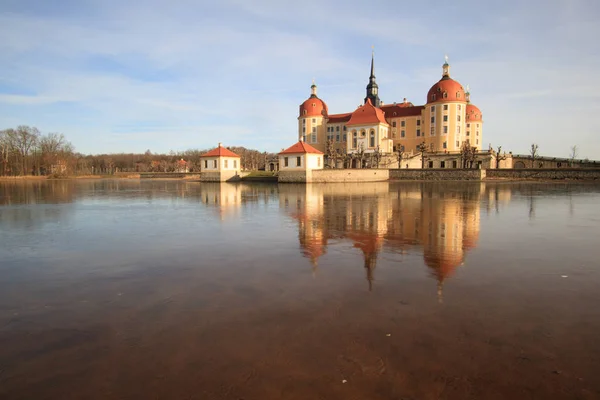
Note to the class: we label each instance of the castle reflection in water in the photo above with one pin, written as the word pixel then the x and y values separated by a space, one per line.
pixel 440 220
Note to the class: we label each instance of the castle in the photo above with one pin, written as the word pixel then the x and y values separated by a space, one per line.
pixel 444 124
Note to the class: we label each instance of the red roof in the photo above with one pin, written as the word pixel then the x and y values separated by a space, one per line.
pixel 473 113
pixel 401 110
pixel 220 152
pixel 301 147
pixel 446 89
pixel 335 118
pixel 313 107
pixel 367 114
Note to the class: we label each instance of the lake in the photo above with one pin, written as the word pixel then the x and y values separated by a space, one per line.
pixel 124 289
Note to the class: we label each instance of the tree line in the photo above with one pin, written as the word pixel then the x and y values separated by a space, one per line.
pixel 26 151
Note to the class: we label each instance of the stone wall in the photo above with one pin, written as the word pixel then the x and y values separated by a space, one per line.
pixel 223 176
pixel 294 176
pixel 545 174
pixel 350 175
pixel 437 174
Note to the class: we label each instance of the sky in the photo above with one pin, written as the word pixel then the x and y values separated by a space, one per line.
pixel 119 76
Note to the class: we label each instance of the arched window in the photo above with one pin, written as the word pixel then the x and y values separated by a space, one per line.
pixel 445 95
pixel 433 97
pixel 354 139
pixel 458 95
pixel 372 138
pixel 304 112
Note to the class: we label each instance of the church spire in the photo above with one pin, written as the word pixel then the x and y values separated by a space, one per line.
pixel 372 88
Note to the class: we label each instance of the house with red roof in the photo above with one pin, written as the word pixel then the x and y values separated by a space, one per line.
pixel 297 162
pixel 220 165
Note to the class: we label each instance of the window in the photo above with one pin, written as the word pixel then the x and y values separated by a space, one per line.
pixel 454 163
pixel 458 95
pixel 402 134
pixel 225 163
pixel 314 120
pixel 442 164
pixel 445 95
pixel 445 107
pixel 354 140
pixel 418 132
pixel 458 117
pixel 478 125
pixel 235 164
pixel 394 124
pixel 394 134
pixel 433 97
pixel 205 163
pixel 337 137
pixel 337 128
pixel 403 124
pixel 432 109
pixel 303 129
pixel 303 121
pixel 445 129
pixel 298 161
pixel 285 161
pixel 344 129
pixel 432 130
pixel 457 143
pixel 314 138
pixel 477 133
pixel 430 164
pixel 445 118
pixel 215 164
pixel 418 122
pixel 457 128
pixel 459 107
pixel 304 112
pixel 344 137
pixel 468 133
pixel 372 139
pixel 418 149
pixel 433 120
pixel 477 141
pixel 444 145
pixel 314 129
pixel 468 125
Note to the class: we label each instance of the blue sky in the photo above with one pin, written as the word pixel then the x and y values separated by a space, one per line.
pixel 117 76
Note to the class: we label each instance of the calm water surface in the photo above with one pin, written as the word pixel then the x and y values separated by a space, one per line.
pixel 181 290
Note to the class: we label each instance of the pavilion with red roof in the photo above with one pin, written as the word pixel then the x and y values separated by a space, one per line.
pixel 220 165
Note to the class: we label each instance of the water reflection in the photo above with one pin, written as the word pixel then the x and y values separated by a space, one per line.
pixel 440 221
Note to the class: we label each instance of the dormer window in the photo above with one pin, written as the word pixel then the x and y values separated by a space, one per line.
pixel 433 97
pixel 445 95
pixel 458 95
pixel 304 112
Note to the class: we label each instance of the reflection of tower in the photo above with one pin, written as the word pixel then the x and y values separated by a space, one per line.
pixel 305 204
pixel 444 220
pixel 370 244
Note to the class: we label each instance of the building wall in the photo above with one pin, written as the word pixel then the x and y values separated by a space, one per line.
pixel 310 161
pixel 309 125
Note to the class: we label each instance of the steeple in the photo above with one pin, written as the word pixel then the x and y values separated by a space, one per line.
pixel 446 68
pixel 372 88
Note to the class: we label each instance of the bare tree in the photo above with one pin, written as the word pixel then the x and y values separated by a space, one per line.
pixel 534 154
pixel 573 155
pixel 422 150
pixel 377 156
pixel 400 155
pixel 25 138
pixel 499 157
pixel 329 151
pixel 465 151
